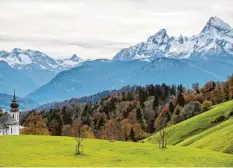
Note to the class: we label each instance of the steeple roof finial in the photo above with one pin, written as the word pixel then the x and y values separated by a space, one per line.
pixel 14 104
pixel 14 98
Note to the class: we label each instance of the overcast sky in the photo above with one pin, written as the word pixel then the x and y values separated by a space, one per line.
pixel 100 28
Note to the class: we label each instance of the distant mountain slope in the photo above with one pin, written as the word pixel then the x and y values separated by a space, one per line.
pixel 90 78
pixel 88 99
pixel 99 75
pixel 36 65
pixel 197 131
pixel 215 37
pixel 11 79
pixel 24 104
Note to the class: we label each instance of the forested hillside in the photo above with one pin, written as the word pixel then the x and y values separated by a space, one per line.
pixel 131 115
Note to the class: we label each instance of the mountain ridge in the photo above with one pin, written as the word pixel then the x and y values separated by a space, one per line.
pixel 38 66
pixel 215 36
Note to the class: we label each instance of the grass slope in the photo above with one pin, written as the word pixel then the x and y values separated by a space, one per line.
pixel 218 138
pixel 196 125
pixel 59 151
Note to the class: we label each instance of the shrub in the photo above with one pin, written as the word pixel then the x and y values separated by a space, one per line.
pixel 175 119
pixel 230 114
pixel 192 109
pixel 178 110
pixel 219 119
pixel 206 105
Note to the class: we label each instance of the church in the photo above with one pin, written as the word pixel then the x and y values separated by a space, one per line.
pixel 9 121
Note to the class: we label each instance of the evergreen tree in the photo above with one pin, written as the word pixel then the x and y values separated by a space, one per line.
pixel 66 116
pixel 55 124
pixel 180 88
pixel 142 97
pixel 155 102
pixel 171 107
pixel 132 135
pixel 180 100
pixel 123 96
pixel 151 90
pixel 139 115
pixel 130 96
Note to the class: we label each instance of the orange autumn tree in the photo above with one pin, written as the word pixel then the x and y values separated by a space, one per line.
pixel 109 131
pixel 35 125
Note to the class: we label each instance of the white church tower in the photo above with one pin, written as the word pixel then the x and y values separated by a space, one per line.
pixel 9 122
pixel 14 108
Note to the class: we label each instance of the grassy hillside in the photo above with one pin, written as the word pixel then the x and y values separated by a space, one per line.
pixel 218 138
pixel 200 132
pixel 59 151
pixel 193 126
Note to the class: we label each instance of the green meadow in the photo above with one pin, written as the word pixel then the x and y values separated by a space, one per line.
pixel 59 151
pixel 194 142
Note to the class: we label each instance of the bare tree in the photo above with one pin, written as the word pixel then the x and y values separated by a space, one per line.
pixel 162 134
pixel 162 140
pixel 79 135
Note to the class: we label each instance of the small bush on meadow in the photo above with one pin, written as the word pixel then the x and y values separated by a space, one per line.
pixel 219 119
pixel 206 105
pixel 230 114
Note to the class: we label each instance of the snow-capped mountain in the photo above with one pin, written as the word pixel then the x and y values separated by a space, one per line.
pixel 215 38
pixel 28 59
pixel 68 63
pixel 173 60
pixel 37 65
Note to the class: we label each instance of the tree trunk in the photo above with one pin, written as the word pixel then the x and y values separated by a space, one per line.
pixel 78 149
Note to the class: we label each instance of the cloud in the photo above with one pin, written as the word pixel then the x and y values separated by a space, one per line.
pixel 99 29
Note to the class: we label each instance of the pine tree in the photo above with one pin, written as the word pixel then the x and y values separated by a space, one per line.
pixel 139 115
pixel 155 102
pixel 129 96
pixel 55 124
pixel 180 100
pixel 132 134
pixel 66 116
pixel 171 107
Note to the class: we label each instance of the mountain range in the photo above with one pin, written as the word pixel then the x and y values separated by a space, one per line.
pixel 216 38
pixel 160 59
pixel 172 60
pixel 38 67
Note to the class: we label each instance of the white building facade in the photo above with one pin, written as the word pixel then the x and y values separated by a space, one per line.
pixel 9 122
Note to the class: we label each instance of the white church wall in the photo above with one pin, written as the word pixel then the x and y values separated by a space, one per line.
pixel 3 132
pixel 12 130
pixel 15 129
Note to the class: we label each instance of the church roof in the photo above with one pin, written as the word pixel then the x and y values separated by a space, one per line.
pixel 7 119
pixel 3 126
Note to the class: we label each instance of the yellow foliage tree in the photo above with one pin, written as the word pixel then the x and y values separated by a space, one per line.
pixel 35 125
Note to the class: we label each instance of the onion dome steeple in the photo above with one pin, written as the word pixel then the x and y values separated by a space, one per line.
pixel 14 104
